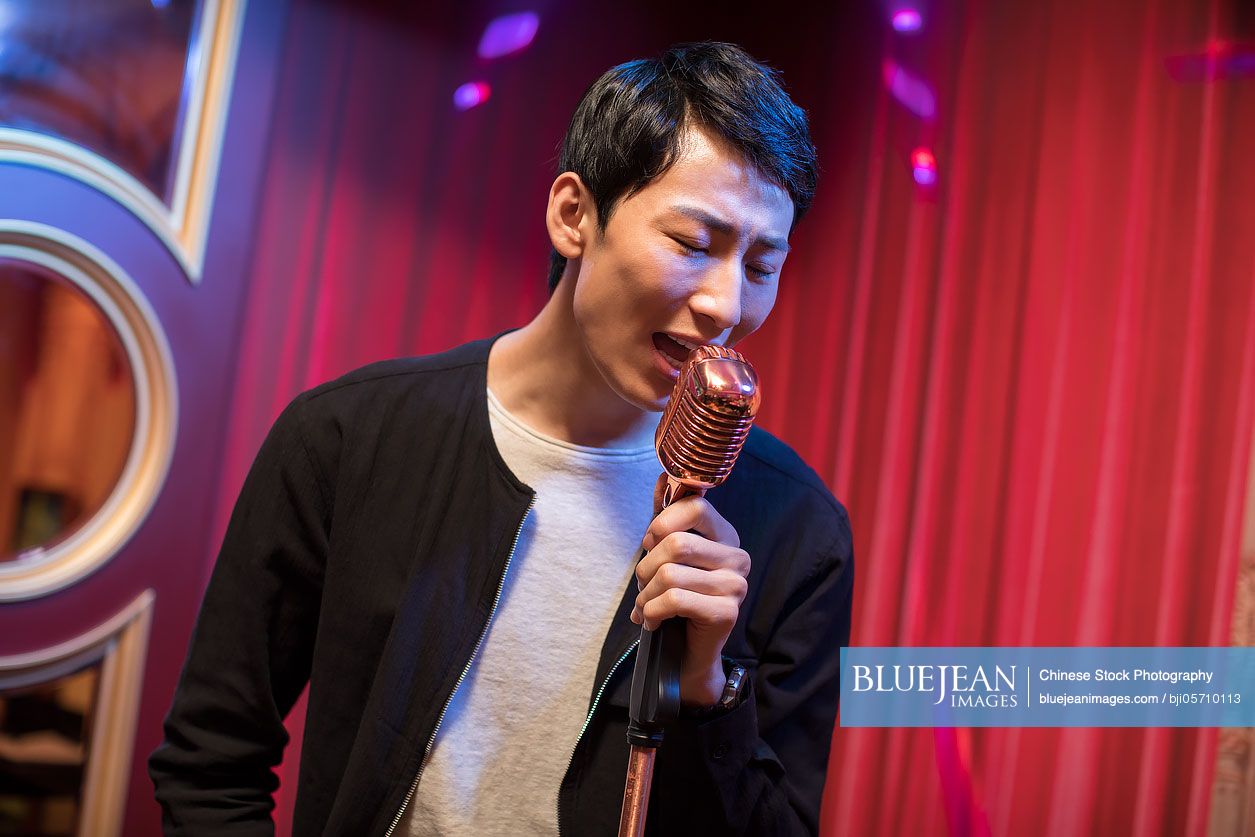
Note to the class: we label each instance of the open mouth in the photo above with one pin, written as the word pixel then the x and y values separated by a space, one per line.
pixel 675 352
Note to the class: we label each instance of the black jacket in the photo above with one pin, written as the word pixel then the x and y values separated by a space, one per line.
pixel 364 556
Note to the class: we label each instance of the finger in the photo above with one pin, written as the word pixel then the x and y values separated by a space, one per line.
pixel 691 514
pixel 699 608
pixel 711 582
pixel 693 551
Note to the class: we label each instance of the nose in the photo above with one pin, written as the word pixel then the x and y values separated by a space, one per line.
pixel 718 298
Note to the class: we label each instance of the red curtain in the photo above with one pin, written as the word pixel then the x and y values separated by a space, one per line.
pixel 1046 378
pixel 1033 384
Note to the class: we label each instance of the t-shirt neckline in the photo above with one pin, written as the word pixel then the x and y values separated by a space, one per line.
pixel 496 408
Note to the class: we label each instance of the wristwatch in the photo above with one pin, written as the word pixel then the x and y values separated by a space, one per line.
pixel 733 692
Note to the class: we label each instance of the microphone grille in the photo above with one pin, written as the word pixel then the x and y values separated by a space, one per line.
pixel 708 418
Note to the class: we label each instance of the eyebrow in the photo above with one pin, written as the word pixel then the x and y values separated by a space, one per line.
pixel 720 225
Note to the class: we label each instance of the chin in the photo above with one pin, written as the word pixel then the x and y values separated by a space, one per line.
pixel 634 383
pixel 654 392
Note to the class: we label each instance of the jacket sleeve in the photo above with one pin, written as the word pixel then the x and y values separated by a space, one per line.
pixel 250 652
pixel 760 768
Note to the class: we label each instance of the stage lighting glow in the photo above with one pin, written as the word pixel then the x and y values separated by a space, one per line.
pixel 160 4
pixel 924 167
pixel 1217 60
pixel 913 93
pixel 508 33
pixel 471 94
pixel 907 20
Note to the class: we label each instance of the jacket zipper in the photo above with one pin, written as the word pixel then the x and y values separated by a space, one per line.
pixel 431 741
pixel 589 719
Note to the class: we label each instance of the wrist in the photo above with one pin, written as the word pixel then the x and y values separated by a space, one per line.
pixel 734 690
pixel 703 689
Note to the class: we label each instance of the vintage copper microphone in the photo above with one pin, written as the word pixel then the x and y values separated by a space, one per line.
pixel 698 439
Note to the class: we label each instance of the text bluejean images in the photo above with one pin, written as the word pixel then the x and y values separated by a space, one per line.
pixel 1048 687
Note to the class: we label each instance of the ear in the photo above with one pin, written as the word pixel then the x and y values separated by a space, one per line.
pixel 570 216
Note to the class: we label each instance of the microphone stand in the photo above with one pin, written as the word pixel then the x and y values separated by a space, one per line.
pixel 655 700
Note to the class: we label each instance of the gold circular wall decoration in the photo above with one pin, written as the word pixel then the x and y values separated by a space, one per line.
pixel 40 571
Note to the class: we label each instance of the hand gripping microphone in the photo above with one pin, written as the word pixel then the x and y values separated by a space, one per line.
pixel 698 440
pixel 699 437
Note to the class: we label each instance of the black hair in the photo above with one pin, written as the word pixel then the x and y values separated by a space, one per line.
pixel 627 128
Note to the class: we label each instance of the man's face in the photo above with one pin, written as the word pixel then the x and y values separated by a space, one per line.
pixel 695 255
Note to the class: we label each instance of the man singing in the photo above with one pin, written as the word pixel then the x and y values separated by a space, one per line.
pixel 445 548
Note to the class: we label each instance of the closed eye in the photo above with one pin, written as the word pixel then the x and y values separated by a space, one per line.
pixel 689 248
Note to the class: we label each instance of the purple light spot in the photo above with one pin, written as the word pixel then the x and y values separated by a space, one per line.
pixel 924 167
pixel 907 20
pixel 471 94
pixel 914 93
pixel 1243 64
pixel 508 33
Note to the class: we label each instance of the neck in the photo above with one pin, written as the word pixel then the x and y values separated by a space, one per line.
pixel 544 377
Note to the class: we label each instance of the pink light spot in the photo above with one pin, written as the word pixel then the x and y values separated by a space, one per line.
pixel 471 94
pixel 907 20
pixel 508 33
pixel 912 92
pixel 923 157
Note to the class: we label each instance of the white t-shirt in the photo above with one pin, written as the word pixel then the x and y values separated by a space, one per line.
pixel 509 732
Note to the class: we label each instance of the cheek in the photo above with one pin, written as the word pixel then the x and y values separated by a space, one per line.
pixel 613 299
pixel 640 288
pixel 756 304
